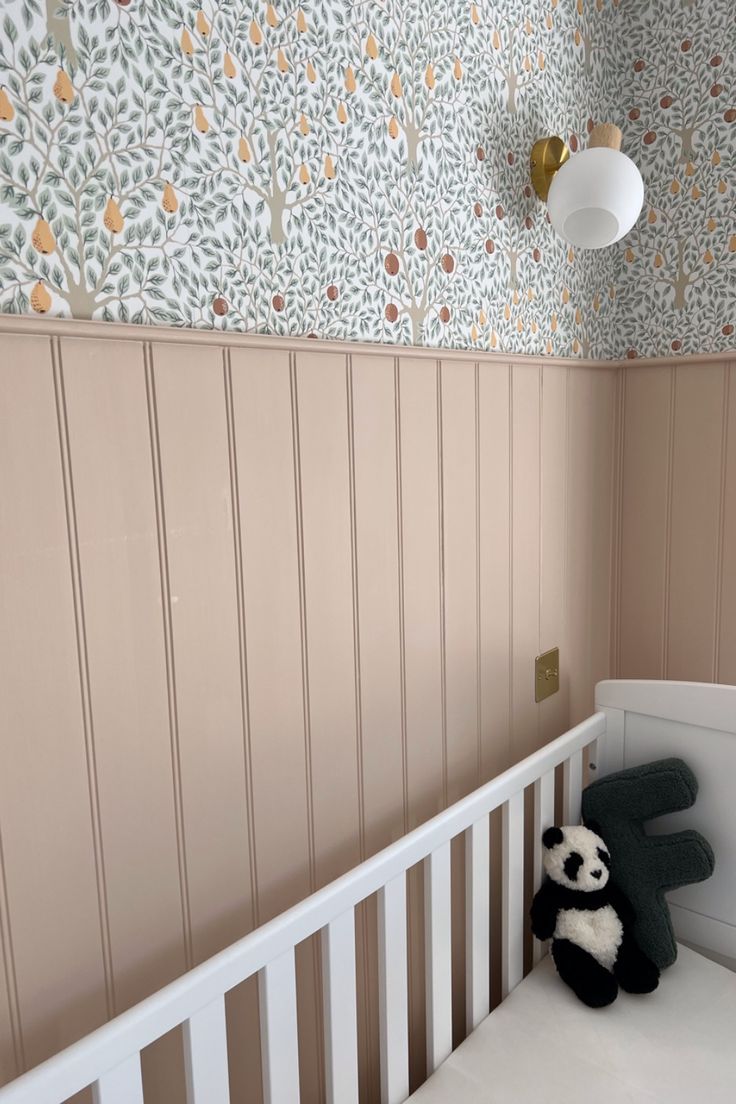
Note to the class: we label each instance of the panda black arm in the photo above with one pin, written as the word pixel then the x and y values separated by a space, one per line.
pixel 544 911
pixel 622 904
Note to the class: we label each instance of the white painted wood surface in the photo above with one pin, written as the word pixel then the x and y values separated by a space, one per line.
pixel 572 787
pixel 205 1055
pixel 338 994
pixel 512 890
pixel 438 954
pixel 279 1042
pixel 269 952
pixel 121 1085
pixel 477 922
pixel 393 1008
pixel 544 817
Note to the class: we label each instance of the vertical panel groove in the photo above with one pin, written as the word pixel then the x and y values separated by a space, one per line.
pixel 618 523
pixel 478 625
pixel 6 935
pixel 441 525
pixel 511 559
pixel 668 521
pixel 242 632
pixel 402 626
pixel 309 781
pixel 163 557
pixel 718 595
pixel 84 683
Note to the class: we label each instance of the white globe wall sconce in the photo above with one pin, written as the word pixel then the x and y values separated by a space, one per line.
pixel 593 198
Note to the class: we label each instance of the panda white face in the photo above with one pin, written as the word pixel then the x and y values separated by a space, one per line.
pixel 576 857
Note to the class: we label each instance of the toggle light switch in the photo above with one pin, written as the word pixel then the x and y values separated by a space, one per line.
pixel 546 674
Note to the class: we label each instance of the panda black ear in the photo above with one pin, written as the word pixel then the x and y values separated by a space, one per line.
pixel 552 837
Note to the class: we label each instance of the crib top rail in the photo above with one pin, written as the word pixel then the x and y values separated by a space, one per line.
pixel 109 1058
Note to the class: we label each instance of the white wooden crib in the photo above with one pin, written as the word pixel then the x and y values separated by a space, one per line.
pixel 677 1044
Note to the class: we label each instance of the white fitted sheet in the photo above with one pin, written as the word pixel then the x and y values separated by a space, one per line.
pixel 542 1046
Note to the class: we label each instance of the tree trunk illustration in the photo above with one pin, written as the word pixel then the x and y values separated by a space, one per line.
pixel 511 82
pixel 413 138
pixel 82 302
pixel 60 31
pixel 513 268
pixel 417 316
pixel 277 198
pixel 682 280
pixel 686 135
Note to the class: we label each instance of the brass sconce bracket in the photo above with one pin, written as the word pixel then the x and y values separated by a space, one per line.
pixel 548 155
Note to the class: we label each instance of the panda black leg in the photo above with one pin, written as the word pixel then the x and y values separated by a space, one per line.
pixel 634 972
pixel 589 981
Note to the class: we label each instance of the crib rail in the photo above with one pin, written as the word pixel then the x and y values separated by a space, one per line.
pixel 109 1058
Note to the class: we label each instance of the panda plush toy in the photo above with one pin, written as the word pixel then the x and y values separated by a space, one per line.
pixel 588 920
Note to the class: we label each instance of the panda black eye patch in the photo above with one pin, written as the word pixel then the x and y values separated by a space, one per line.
pixel 573 862
pixel 604 856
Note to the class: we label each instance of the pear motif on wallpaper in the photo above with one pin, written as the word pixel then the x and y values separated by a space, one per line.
pixel 304 175
pixel 311 73
pixel 7 111
pixel 457 69
pixel 202 25
pixel 200 120
pixel 301 22
pixel 396 86
pixel 40 298
pixel 271 17
pixel 329 168
pixel 255 33
pixel 42 238
pixel 342 114
pixel 113 219
pixel 187 46
pixel 304 125
pixel 282 62
pixel 169 202
pixel 349 79
pixel 393 127
pixel 244 150
pixel 63 88
pixel 228 67
pixel 429 78
pixel 371 47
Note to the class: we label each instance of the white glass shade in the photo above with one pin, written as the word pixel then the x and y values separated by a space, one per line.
pixel 595 198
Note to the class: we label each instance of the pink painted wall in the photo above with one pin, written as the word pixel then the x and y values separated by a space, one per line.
pixel 265 606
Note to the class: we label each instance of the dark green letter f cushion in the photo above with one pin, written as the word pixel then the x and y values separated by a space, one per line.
pixel 643 866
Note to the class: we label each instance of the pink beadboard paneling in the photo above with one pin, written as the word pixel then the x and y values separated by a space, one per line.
pixel 725 654
pixel 311 586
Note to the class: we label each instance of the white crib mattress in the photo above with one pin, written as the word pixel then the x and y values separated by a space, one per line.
pixel 542 1046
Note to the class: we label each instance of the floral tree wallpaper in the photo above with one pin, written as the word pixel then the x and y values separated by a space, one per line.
pixel 358 169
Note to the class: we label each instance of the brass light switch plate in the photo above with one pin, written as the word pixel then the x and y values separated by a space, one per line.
pixel 546 674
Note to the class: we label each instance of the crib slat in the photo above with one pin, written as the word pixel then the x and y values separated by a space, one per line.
pixel 205 1055
pixel 279 1046
pixel 438 955
pixel 512 908
pixel 341 1017
pixel 477 922
pixel 544 817
pixel 393 1008
pixel 121 1085
pixel 572 787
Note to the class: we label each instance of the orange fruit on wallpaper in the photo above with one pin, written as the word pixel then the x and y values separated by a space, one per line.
pixel 448 263
pixel 278 302
pixel 169 202
pixel 473 332
pixel 329 168
pixel 332 292
pixel 482 317
pixel 457 69
pixel 371 47
pixel 349 79
pixel 420 237
pixel 553 323
pixel 652 217
pixel 708 257
pixel 303 174
pixel 494 339
pixel 202 25
pixel 42 238
pixel 187 46
pixel 301 22
pixel 629 255
pixel 596 302
pixel 540 60
pixel 490 246
pixel 40 298
pixel 342 114
pixel 675 187
pixel 429 76
pixel 391 312
pixel 696 192
pixel 244 149
pixel 219 306
pixel 391 264
pixel 716 158
pixel 393 127
pixel 7 111
pixel 565 295
pixel 311 73
pixel 549 21
pixel 112 218
pixel 570 255
pixel 201 121
pixel 711 224
pixel 528 28
pixel 396 86
pixel 474 16
pixel 282 62
pixel 732 244
pixel 527 63
pixel 228 67
pixel 507 312
pixel 689 169
pixel 578 316
pixel 303 125
pixel 576 346
pixel 515 297
pixel 658 260
pixel 520 325
pixel 444 315
pixel 271 17
pixel 63 87
pixel 722 187
pixel 496 40
pixel 255 34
